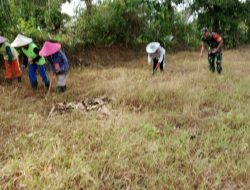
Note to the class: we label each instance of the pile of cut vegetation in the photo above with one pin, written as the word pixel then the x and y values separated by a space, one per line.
pixel 86 105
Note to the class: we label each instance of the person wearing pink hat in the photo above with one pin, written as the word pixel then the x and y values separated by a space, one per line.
pixel 58 62
pixel 11 61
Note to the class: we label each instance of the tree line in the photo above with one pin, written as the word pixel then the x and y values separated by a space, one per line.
pixel 126 22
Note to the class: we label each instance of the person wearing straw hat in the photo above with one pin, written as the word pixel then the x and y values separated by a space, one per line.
pixel 58 62
pixel 156 55
pixel 11 61
pixel 215 42
pixel 31 57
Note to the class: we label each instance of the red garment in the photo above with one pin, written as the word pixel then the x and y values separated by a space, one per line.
pixel 14 66
pixel 216 37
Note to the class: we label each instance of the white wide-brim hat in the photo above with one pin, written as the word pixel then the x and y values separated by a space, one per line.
pixel 21 40
pixel 2 39
pixel 152 47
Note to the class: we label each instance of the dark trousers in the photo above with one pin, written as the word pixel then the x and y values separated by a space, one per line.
pixel 211 60
pixel 32 74
pixel 155 62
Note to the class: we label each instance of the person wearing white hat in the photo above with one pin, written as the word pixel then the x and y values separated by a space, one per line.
pixel 31 57
pixel 11 61
pixel 156 55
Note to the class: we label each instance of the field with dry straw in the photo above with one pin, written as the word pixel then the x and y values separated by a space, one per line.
pixel 119 127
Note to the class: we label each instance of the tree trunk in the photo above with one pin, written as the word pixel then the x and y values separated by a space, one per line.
pixel 89 5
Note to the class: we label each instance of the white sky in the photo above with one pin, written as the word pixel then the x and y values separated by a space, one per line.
pixel 70 8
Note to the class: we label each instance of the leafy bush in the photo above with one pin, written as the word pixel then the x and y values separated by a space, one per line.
pixel 127 22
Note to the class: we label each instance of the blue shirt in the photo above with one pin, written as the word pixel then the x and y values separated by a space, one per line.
pixel 61 59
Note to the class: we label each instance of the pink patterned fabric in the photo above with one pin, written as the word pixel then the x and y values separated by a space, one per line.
pixel 49 48
pixel 2 39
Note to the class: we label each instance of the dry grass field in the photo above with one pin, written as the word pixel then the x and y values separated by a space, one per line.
pixel 185 128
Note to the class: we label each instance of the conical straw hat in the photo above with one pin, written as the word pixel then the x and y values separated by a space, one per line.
pixel 49 48
pixel 21 40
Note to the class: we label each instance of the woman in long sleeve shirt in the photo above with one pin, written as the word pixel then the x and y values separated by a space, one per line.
pixel 31 57
pixel 11 61
pixel 58 63
pixel 156 55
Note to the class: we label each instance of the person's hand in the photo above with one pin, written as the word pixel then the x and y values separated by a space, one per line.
pixel 30 61
pixel 23 67
pixel 214 50
pixel 57 67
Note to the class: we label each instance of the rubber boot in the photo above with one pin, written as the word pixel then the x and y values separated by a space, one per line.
pixel 8 81
pixel 219 68
pixel 61 89
pixel 47 85
pixel 34 86
pixel 64 88
pixel 19 79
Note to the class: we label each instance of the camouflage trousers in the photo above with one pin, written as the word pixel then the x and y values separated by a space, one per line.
pixel 211 61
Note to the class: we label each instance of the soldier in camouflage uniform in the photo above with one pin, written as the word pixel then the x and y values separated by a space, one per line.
pixel 214 41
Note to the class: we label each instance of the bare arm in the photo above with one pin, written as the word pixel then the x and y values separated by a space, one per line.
pixel 219 46
pixel 219 39
pixel 202 48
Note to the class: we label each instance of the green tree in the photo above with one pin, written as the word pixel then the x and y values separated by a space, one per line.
pixel 223 16
pixel 127 21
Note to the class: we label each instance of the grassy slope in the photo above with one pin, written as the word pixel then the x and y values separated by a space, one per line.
pixel 183 129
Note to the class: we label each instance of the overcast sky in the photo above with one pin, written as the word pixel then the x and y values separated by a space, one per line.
pixel 70 8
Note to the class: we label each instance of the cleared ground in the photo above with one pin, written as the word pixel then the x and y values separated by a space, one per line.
pixel 182 129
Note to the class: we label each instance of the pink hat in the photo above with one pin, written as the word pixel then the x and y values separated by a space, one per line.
pixel 2 39
pixel 49 48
